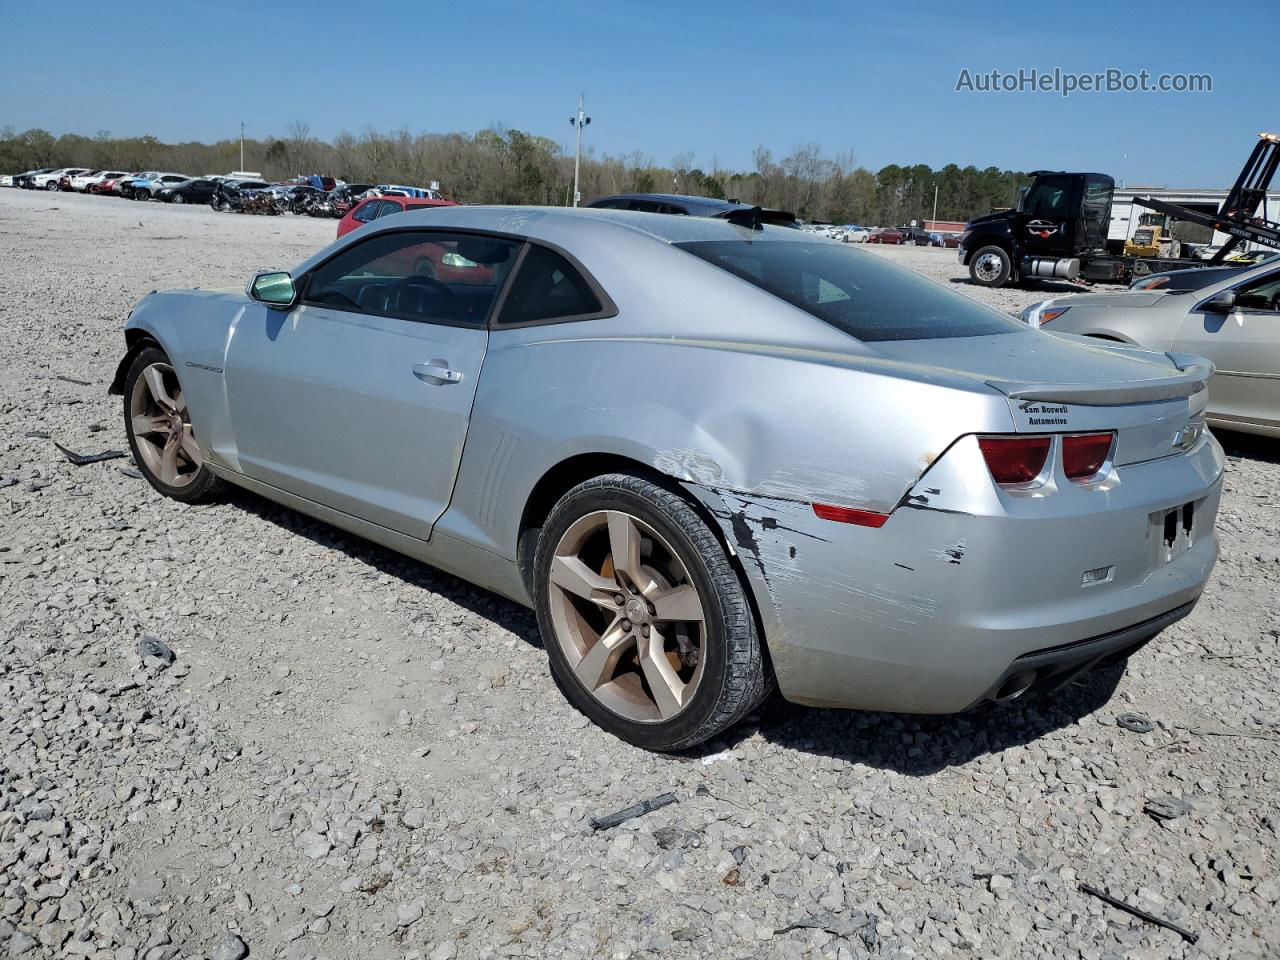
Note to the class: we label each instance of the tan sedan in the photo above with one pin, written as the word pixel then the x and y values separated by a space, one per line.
pixel 1235 322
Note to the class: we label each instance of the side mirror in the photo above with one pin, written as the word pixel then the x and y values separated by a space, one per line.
pixel 274 289
pixel 1224 302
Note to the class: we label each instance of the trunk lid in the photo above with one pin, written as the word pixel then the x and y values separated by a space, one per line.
pixel 1125 299
pixel 1059 383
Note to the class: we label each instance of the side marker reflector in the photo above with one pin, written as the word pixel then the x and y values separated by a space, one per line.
pixel 863 518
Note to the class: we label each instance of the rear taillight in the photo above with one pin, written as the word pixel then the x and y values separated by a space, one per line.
pixel 1083 456
pixel 1014 459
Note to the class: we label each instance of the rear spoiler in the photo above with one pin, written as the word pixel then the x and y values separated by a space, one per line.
pixel 1192 377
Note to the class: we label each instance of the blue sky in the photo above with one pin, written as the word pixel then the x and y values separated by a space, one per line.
pixel 712 78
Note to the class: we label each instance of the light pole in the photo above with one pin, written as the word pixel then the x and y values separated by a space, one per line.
pixel 935 206
pixel 241 144
pixel 580 121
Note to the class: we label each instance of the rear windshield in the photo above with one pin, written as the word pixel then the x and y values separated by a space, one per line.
pixel 855 292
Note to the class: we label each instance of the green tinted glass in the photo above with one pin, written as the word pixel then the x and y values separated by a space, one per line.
pixel 274 288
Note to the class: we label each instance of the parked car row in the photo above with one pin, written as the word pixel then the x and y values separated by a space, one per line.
pixel 238 191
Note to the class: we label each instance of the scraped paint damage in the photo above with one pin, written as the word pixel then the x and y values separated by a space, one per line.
pixel 802 563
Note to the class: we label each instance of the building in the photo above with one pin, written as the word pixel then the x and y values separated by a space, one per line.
pixel 943 226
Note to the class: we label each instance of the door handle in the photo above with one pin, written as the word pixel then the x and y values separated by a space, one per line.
pixel 437 372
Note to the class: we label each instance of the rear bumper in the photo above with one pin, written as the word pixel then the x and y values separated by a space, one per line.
pixel 940 607
pixel 1043 671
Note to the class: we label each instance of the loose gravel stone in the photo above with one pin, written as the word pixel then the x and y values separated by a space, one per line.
pixel 230 947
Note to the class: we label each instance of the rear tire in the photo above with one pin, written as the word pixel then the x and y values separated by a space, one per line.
pixel 990 266
pixel 685 659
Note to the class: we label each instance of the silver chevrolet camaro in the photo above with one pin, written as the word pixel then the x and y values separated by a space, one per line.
pixel 712 455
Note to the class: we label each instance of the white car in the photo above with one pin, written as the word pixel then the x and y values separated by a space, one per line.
pixel 855 234
pixel 49 181
pixel 6 180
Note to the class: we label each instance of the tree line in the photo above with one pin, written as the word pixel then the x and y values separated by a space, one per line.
pixel 499 165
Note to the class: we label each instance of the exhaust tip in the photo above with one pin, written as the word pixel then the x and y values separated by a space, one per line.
pixel 1015 686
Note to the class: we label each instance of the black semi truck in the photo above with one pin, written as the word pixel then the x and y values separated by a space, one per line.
pixel 1058 230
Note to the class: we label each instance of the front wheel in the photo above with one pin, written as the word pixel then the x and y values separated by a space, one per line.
pixel 990 267
pixel 160 433
pixel 178 198
pixel 646 623
pixel 51 186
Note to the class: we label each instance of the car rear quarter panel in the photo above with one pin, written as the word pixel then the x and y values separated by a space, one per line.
pixel 750 429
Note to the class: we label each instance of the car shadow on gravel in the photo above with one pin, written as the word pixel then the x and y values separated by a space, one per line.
pixel 498 610
pixel 1248 446
pixel 913 745
pixel 919 745
pixel 1048 286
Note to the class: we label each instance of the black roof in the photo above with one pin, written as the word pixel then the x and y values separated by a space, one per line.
pixel 697 206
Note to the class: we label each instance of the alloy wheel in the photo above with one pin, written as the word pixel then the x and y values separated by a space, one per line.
pixel 627 616
pixel 162 427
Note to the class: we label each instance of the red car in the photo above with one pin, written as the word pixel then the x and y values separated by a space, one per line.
pixel 109 186
pixel 431 259
pixel 885 235
pixel 371 208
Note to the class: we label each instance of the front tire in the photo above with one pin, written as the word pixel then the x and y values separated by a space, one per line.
pixel 161 437
pixel 646 623
pixel 990 266
pixel 178 198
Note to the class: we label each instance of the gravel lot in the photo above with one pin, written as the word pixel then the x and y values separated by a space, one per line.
pixel 353 755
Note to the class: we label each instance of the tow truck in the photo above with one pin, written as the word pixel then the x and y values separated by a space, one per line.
pixel 1058 230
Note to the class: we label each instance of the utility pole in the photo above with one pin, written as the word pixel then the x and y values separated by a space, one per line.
pixel 580 121
pixel 241 144
pixel 935 206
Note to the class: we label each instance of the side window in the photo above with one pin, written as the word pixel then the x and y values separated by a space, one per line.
pixel 672 208
pixel 645 206
pixel 548 287
pixel 1262 293
pixel 416 275
pixel 389 207
pixel 1050 197
pixel 368 211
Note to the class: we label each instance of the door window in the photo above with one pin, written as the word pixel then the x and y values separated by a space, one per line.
pixel 1050 197
pixel 1260 294
pixel 549 287
pixel 417 275
pixel 368 211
